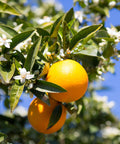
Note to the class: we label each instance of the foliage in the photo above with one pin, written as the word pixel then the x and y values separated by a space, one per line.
pixel 30 37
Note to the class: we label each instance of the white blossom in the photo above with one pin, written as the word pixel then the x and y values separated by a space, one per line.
pixel 94 18
pixel 102 43
pixel 96 1
pixel 110 132
pixel 2 58
pixel 30 85
pixel 79 15
pixel 24 45
pixel 62 53
pixel 86 2
pixel 21 111
pixel 23 75
pixel 58 6
pixel 112 3
pixel 45 19
pixel 114 34
pixel 105 104
pixel 4 41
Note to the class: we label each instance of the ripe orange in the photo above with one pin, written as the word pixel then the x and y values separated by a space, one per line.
pixel 70 75
pixel 39 114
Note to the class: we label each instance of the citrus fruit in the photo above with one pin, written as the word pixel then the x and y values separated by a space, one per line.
pixel 39 114
pixel 70 75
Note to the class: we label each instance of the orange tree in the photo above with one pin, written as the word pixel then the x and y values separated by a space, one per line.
pixel 32 39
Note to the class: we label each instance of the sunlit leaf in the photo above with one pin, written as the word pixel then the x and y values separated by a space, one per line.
pixel 15 93
pixel 7 71
pixel 33 51
pixel 56 114
pixel 65 36
pixel 90 49
pixel 5 8
pixel 55 27
pixel 83 33
pixel 2 137
pixel 8 31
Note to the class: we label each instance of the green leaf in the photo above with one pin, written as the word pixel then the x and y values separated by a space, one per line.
pixel 93 128
pixel 38 94
pixel 42 32
pixel 4 88
pixel 88 52
pixel 15 93
pixel 106 11
pixel 55 27
pixel 5 8
pixel 42 140
pixel 100 10
pixel 41 95
pixel 20 38
pixel 7 71
pixel 83 33
pixel 65 36
pixel 90 49
pixel 44 86
pixel 33 51
pixel 108 51
pixel 8 31
pixel 2 137
pixel 70 108
pixel 17 64
pixel 40 54
pixel 69 15
pixel 56 114
pixel 102 34
pixel 18 56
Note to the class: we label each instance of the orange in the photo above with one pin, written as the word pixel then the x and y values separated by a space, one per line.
pixel 70 75
pixel 39 114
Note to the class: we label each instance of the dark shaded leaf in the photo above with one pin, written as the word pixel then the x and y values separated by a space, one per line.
pixel 108 51
pixel 102 34
pixel 42 140
pixel 44 86
pixel 56 114
pixel 41 95
pixel 69 15
pixel 18 56
pixel 42 32
pixel 20 38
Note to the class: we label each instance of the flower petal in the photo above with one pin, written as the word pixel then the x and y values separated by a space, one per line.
pixel 29 76
pixel 18 77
